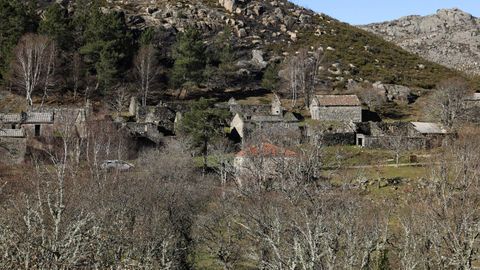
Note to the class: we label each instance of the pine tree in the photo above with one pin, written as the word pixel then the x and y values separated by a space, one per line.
pixel 270 80
pixel 106 66
pixel 17 18
pixel 108 46
pixel 227 59
pixel 190 58
pixel 56 25
pixel 203 124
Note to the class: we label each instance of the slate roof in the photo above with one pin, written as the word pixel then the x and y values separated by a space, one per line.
pixel 474 97
pixel 12 133
pixel 287 117
pixel 10 118
pixel 39 117
pixel 266 149
pixel 31 117
pixel 337 100
pixel 428 128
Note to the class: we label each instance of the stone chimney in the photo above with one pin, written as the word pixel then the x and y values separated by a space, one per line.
pixel 276 105
pixel 132 109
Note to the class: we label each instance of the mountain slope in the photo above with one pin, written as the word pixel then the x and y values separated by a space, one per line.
pixel 450 37
pixel 279 28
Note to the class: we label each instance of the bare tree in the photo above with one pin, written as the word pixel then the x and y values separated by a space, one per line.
pixel 397 144
pixel 76 72
pixel 371 97
pixel 303 71
pixel 293 70
pixel 120 99
pixel 50 66
pixel 447 103
pixel 145 65
pixel 30 63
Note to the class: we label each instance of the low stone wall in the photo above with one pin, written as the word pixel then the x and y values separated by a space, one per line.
pixel 409 143
pixel 12 150
pixel 330 139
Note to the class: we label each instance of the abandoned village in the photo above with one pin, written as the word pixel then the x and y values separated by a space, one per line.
pixel 238 135
pixel 331 120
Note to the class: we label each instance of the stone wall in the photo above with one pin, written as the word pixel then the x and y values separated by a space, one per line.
pixel 281 133
pixel 12 150
pixel 330 139
pixel 338 113
pixel 386 142
pixel 46 130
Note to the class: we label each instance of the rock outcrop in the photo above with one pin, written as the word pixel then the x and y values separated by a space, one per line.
pixel 265 32
pixel 229 5
pixel 450 37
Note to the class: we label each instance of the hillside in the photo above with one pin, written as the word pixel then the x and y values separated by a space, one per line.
pixel 450 37
pixel 278 28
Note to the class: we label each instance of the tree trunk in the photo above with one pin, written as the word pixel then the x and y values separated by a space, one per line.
pixel 205 156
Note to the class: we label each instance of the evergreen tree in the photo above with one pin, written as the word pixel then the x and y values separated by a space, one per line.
pixel 203 124
pixel 190 58
pixel 108 45
pixel 17 18
pixel 270 79
pixel 227 59
pixel 106 66
pixel 147 36
pixel 56 25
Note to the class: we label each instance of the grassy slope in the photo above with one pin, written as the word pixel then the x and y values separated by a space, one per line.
pixel 382 61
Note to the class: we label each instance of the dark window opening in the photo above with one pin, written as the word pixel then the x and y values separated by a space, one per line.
pixel 37 130
pixel 14 126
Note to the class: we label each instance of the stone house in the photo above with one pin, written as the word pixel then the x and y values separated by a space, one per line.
pixel 473 101
pixel 472 109
pixel 34 124
pixel 331 132
pixel 152 123
pixel 13 146
pixel 270 119
pixel 412 135
pixel 35 128
pixel 343 108
pixel 262 162
pixel 250 109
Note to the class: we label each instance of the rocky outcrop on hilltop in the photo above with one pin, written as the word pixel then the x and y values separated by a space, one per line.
pixel 267 32
pixel 450 37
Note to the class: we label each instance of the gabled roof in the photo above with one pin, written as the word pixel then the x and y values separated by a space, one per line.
pixel 474 97
pixel 12 133
pixel 28 118
pixel 39 117
pixel 428 128
pixel 10 118
pixel 266 149
pixel 337 100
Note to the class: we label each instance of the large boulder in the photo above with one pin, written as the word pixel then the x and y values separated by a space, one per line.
pixel 229 5
pixel 257 59
pixel 394 93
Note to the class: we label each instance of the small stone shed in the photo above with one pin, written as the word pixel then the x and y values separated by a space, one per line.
pixel 412 135
pixel 331 132
pixel 13 146
pixel 344 108
pixel 264 161
pixel 473 101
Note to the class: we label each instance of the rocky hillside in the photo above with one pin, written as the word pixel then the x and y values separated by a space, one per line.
pixel 450 37
pixel 268 31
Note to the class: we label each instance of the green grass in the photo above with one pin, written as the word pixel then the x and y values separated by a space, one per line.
pixel 212 160
pixel 354 156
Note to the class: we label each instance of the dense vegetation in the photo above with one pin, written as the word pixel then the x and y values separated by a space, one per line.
pixel 96 51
